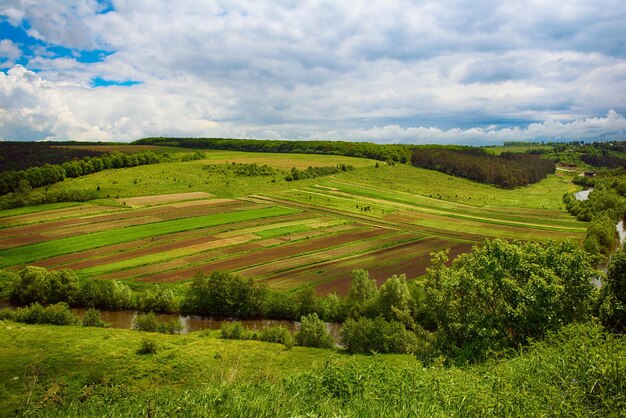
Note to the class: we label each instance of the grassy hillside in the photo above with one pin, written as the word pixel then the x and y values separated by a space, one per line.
pixel 70 371
pixel 165 222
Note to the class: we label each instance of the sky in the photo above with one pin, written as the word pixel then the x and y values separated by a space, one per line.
pixel 446 71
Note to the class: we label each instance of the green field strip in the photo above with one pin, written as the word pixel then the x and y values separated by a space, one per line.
pixel 340 203
pixel 417 208
pixel 218 231
pixel 42 250
pixel 333 268
pixel 39 208
pixel 524 234
pixel 466 211
pixel 159 257
pixel 234 257
pixel 172 256
pixel 325 256
pixel 294 229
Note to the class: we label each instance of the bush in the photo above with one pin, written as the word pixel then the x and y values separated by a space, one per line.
pixel 146 322
pixel 158 299
pixel 277 334
pixel 313 333
pixel 92 318
pixel 58 314
pixel 104 294
pixel 148 346
pixel 377 335
pixel 232 331
pixel 150 323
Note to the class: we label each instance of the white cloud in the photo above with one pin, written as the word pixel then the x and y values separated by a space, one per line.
pixel 306 69
pixel 9 52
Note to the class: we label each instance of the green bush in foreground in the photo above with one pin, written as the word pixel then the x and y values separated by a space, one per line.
pixel 313 333
pixel 58 314
pixel 150 323
pixel 147 346
pixel 93 318
pixel 377 335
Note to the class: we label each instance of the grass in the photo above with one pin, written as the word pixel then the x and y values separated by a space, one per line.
pixel 42 250
pixel 70 371
pixel 398 198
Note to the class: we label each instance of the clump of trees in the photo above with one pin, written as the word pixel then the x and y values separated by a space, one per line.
pixel 507 170
pixel 242 170
pixel 313 172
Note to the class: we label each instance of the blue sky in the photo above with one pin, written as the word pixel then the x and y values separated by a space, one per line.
pixel 393 71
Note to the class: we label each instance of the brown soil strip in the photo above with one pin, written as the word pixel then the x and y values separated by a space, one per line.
pixel 31 234
pixel 273 253
pixel 124 251
pixel 164 198
pixel 410 258
pixel 55 214
pixel 322 256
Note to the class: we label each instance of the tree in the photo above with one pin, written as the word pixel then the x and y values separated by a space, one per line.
pixel 613 298
pixel 394 293
pixel 363 294
pixel 501 294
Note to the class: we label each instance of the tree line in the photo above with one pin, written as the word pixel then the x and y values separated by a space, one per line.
pixel 506 170
pixel 17 156
pixel 387 152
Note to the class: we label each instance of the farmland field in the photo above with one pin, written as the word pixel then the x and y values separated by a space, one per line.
pixel 166 222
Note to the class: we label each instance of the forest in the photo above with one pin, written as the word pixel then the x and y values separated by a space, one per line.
pixel 507 170
pixel 17 156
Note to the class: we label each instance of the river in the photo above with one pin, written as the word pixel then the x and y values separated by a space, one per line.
pixel 191 323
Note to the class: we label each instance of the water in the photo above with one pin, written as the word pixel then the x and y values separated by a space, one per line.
pixel 583 194
pixel 621 232
pixel 191 323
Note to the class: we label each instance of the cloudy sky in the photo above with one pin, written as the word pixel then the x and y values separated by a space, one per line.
pixel 448 71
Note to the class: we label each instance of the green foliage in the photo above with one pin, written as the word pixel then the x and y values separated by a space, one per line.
pixel 352 149
pixel 280 304
pixel 394 297
pixel 313 333
pixel 377 335
pixel 506 170
pixel 277 334
pixel 222 293
pixel 612 310
pixel 106 295
pixel 502 294
pixel 331 308
pixel 234 331
pixel 93 318
pixel 148 346
pixel 150 323
pixel 158 298
pixel 363 295
pixel 314 172
pixel 57 314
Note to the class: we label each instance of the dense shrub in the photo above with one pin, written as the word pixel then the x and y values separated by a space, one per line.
pixel 93 318
pixel 222 293
pixel 148 346
pixel 57 314
pixel 501 294
pixel 150 323
pixel 280 305
pixel 277 334
pixel 158 298
pixel 104 294
pixel 378 335
pixel 612 311
pixel 234 331
pixel 313 172
pixel 313 333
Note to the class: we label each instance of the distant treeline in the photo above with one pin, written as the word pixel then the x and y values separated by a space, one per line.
pixel 506 170
pixel 16 156
pixel 23 181
pixel 603 160
pixel 396 153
